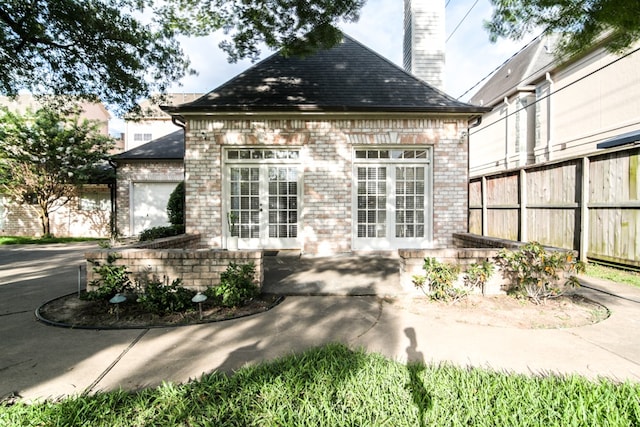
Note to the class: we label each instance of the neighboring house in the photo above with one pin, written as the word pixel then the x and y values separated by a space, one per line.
pixel 94 111
pixel 543 109
pixel 145 178
pixel 556 159
pixel 87 216
pixel 153 123
pixel 338 151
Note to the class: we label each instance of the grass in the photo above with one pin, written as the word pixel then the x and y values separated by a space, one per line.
pixel 336 386
pixel 21 240
pixel 615 274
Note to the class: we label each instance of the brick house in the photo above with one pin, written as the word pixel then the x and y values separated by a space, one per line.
pixel 145 178
pixel 334 152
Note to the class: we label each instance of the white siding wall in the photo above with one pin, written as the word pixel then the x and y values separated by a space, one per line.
pixel 581 105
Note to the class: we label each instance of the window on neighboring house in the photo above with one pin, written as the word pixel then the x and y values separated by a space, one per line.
pixel 142 137
pixel 94 200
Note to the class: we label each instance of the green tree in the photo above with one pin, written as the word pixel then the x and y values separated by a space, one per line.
pixel 297 27
pixel 123 50
pixel 175 205
pixel 45 155
pixel 580 23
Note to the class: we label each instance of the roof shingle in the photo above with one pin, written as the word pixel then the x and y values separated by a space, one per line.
pixel 347 77
pixel 168 147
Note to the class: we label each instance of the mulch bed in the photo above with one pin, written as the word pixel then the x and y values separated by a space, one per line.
pixel 70 311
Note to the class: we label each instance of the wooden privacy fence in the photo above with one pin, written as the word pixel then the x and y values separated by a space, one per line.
pixel 590 204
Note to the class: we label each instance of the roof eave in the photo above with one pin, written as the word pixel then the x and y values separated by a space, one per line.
pixel 314 109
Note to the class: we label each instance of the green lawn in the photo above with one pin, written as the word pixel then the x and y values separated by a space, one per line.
pixel 20 240
pixel 335 386
pixel 614 274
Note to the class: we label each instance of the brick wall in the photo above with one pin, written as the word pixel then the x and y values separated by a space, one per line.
pixel 326 156
pixel 198 268
pixel 140 171
pixel 89 218
pixel 411 262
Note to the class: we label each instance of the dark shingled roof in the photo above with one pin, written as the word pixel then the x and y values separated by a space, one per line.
pixel 348 77
pixel 168 147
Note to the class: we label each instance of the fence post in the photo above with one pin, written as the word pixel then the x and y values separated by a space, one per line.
pixel 522 199
pixel 584 210
pixel 483 195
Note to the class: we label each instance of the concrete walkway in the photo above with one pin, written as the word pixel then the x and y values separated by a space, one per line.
pixel 39 361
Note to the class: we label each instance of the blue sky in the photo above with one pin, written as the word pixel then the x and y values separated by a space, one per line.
pixel 470 56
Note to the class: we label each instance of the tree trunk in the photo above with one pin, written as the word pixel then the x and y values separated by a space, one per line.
pixel 45 222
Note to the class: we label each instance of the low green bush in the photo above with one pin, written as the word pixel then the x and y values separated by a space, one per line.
pixel 160 298
pixel 477 274
pixel 114 279
pixel 236 285
pixel 439 278
pixel 160 232
pixel 535 272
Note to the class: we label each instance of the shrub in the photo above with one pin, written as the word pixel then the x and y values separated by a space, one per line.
pixel 160 232
pixel 440 278
pixel 175 205
pixel 236 285
pixel 476 275
pixel 114 279
pixel 535 272
pixel 160 298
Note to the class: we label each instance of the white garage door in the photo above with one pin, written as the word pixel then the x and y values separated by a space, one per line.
pixel 149 202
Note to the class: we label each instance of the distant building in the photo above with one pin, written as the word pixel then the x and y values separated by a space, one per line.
pixel 153 122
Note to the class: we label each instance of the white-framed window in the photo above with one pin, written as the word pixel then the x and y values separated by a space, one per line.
pixel 392 201
pixel 142 137
pixel 94 200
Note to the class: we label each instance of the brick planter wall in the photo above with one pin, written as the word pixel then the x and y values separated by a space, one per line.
pixel 411 262
pixel 198 268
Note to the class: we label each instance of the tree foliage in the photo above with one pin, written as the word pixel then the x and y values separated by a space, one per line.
pixel 123 50
pixel 45 155
pixel 580 23
pixel 296 27
pixel 175 205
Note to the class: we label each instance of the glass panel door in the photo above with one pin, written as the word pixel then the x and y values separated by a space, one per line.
pixel 283 202
pixel 264 199
pixel 244 193
pixel 392 198
pixel 372 202
pixel 410 207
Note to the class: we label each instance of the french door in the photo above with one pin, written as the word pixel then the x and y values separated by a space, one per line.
pixel 392 201
pixel 263 197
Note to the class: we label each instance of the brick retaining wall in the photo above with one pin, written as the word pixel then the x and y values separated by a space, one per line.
pixel 411 262
pixel 175 258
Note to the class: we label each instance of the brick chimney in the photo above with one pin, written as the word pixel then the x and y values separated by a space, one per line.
pixel 424 40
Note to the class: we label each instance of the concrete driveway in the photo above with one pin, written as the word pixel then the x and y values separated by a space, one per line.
pixel 39 361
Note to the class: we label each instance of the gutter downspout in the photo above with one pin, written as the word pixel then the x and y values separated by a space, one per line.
pixel 180 122
pixel 506 133
pixel 113 187
pixel 549 118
